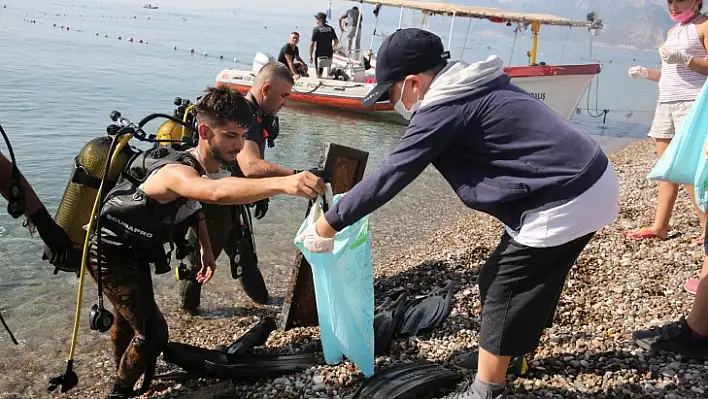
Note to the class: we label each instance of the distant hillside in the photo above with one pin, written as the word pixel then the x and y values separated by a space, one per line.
pixel 640 23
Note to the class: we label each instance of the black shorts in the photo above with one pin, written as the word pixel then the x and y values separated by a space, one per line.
pixel 519 288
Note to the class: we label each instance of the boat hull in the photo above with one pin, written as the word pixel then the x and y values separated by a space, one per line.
pixel 559 87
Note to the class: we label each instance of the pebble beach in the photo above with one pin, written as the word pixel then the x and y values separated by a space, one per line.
pixel 617 286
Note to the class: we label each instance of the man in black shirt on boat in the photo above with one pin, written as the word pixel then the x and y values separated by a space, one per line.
pixel 326 39
pixel 290 56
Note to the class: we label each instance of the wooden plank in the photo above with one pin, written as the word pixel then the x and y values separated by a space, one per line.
pixel 346 165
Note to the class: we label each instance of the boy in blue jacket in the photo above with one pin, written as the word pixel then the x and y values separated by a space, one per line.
pixel 505 153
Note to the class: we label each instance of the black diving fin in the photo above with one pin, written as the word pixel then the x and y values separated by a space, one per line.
pixel 408 381
pixel 177 376
pixel 386 319
pixel 427 312
pixel 253 365
pixel 255 336
pixel 191 358
pixel 202 362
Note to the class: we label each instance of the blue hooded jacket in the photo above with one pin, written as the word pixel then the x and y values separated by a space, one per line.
pixel 502 150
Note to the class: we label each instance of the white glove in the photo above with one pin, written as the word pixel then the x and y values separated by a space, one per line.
pixel 313 242
pixel 638 72
pixel 672 56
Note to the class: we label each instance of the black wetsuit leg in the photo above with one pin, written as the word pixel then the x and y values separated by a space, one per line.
pixel 218 221
pixel 139 332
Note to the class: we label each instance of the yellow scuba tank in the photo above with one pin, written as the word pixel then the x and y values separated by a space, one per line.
pixel 171 130
pixel 80 194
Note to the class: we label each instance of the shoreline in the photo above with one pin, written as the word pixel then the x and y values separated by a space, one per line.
pixel 617 286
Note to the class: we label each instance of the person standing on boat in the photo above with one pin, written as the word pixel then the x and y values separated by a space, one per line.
pixel 684 69
pixel 290 56
pixel 324 40
pixel 351 18
pixel 505 153
pixel 226 224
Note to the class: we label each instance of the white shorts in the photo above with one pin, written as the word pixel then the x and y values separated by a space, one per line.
pixel 668 118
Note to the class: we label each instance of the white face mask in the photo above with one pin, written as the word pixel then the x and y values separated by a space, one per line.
pixel 401 109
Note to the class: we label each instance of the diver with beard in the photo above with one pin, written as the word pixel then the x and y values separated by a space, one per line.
pixel 230 228
pixel 160 191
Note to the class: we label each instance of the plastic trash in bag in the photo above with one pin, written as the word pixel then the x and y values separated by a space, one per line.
pixel 681 159
pixel 344 291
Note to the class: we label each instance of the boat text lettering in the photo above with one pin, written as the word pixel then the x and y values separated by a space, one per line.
pixel 540 96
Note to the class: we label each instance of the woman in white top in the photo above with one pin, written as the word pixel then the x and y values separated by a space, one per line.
pixel 684 69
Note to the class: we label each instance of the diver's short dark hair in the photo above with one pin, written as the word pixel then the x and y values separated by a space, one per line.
pixel 294 33
pixel 222 105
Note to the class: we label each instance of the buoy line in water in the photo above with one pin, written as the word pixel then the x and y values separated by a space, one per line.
pixel 130 39
pixel 133 17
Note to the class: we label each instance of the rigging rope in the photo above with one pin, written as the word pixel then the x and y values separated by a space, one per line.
pixel 572 14
pixel 597 113
pixel 513 45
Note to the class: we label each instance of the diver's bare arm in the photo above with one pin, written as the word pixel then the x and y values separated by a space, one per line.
pixel 32 201
pixel 251 164
pixel 203 234
pixel 184 181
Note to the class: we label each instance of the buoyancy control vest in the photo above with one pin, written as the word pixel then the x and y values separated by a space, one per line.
pixel 138 220
pixel 268 124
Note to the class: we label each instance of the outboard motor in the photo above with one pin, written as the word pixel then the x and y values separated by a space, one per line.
pixel 260 60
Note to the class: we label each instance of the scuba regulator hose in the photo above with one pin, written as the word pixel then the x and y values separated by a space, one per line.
pixel 184 119
pixel 101 319
pixel 15 204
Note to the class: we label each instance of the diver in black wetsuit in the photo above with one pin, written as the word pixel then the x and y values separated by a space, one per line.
pixel 52 234
pixel 160 192
pixel 22 200
pixel 229 227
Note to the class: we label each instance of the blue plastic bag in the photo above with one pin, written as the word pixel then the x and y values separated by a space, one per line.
pixel 344 292
pixel 680 161
pixel 700 185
